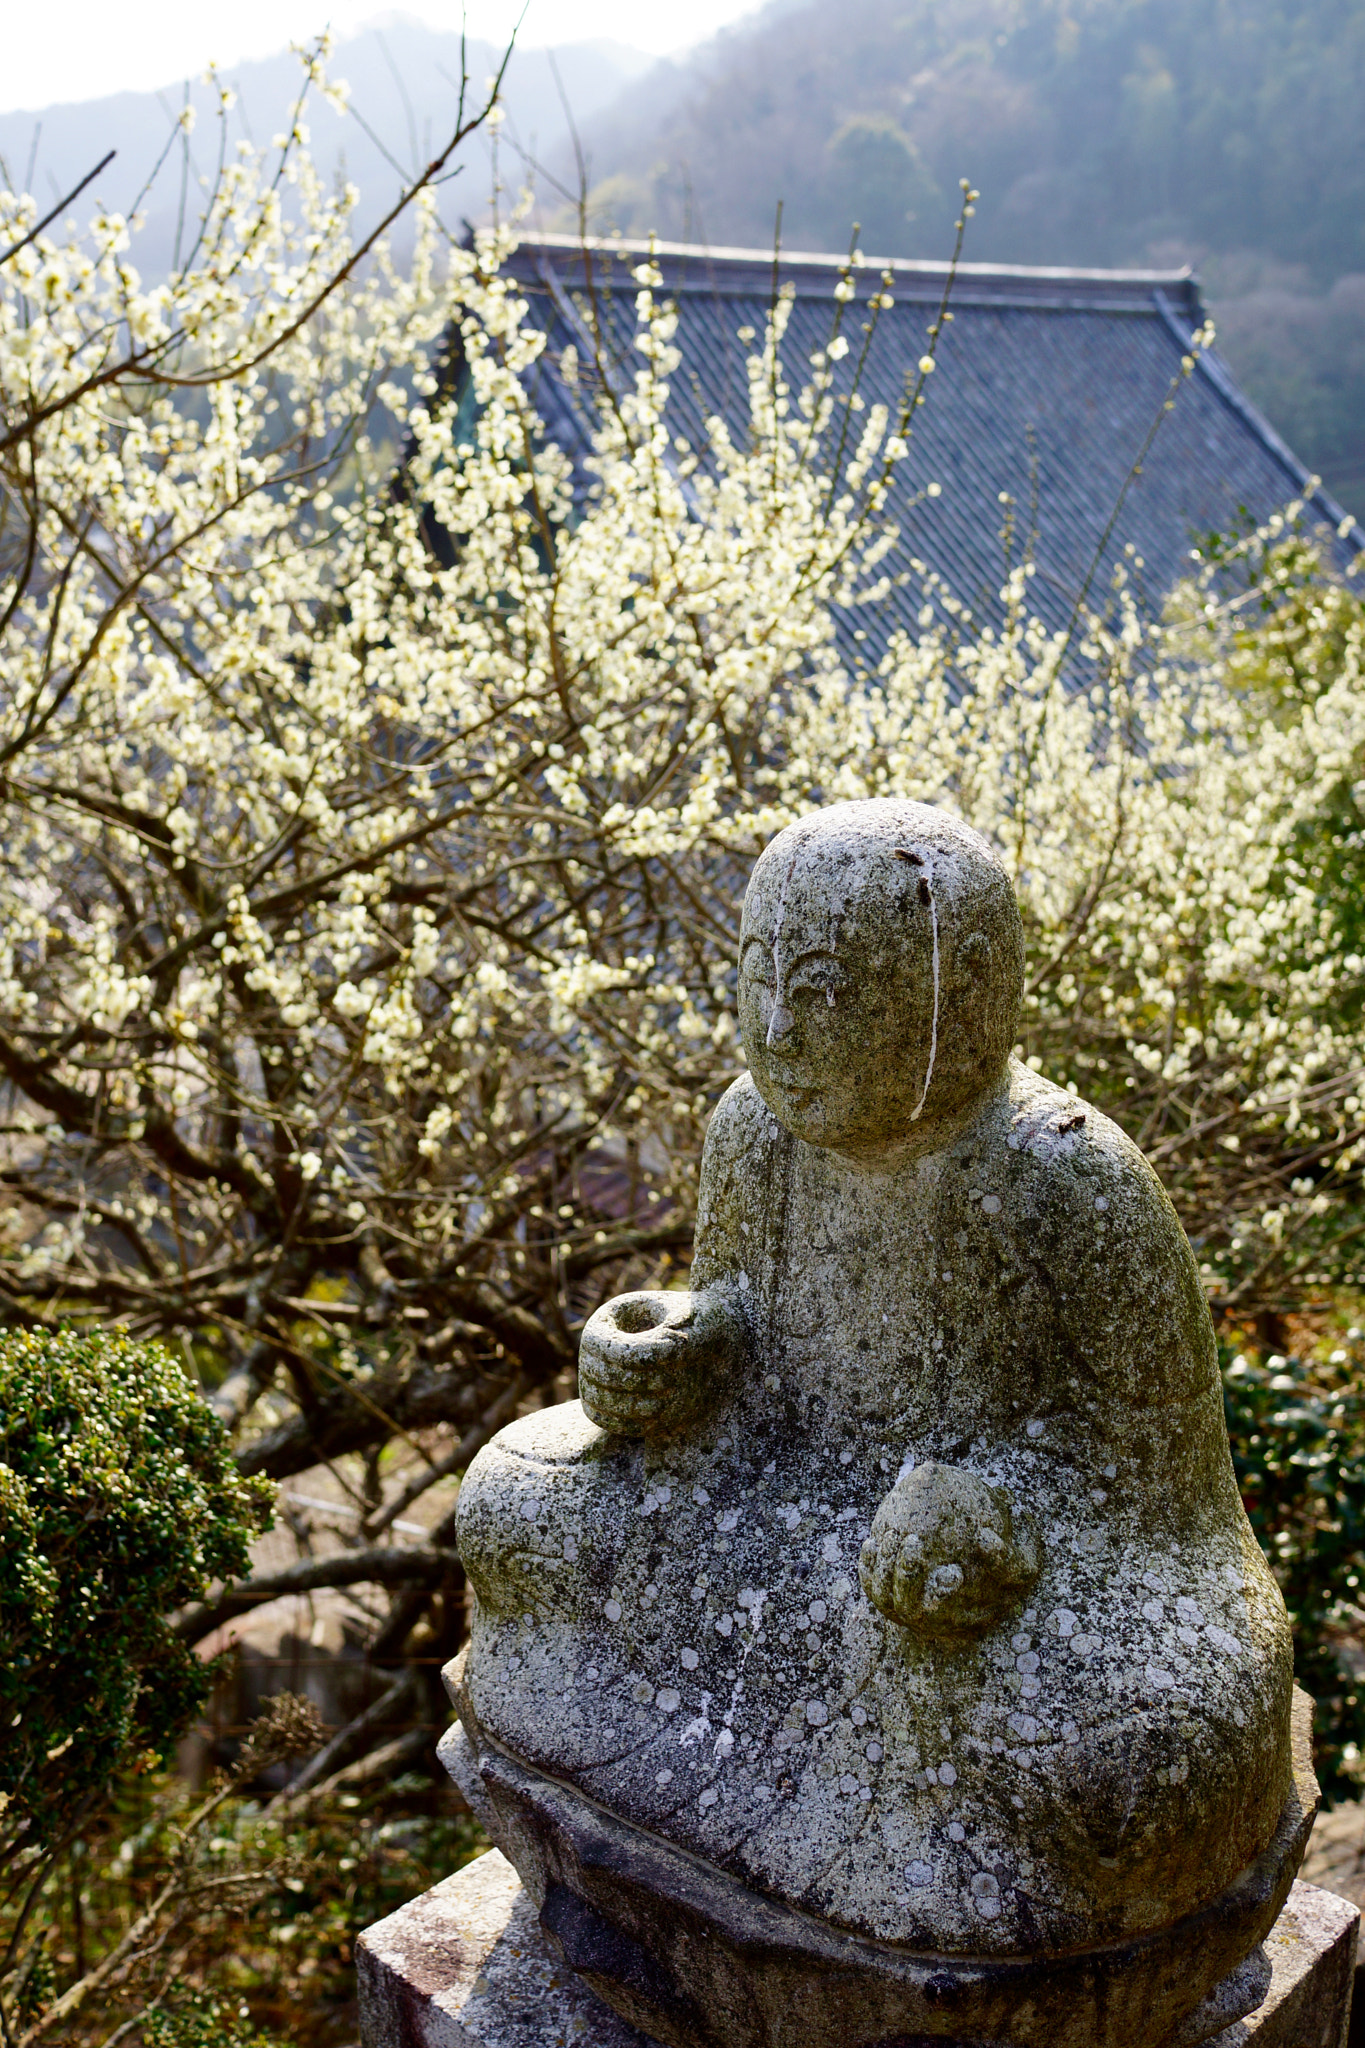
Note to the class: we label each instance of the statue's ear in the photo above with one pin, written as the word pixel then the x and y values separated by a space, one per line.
pixel 974 954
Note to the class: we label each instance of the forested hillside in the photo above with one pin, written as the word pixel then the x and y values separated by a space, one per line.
pixel 1228 133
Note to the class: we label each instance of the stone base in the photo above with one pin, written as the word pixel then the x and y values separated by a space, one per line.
pixel 467 1966
pixel 1336 1862
pixel 690 1955
pixel 1311 1950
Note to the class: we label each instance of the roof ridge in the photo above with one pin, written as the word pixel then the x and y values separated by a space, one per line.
pixel 908 266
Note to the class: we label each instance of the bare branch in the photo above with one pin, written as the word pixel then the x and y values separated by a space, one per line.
pixel 417 1565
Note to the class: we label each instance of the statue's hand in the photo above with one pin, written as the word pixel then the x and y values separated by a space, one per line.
pixel 647 1363
pixel 948 1556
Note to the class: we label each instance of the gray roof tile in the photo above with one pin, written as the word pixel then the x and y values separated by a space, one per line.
pixel 1048 383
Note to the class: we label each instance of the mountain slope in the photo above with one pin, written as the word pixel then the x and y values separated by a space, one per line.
pixel 404 81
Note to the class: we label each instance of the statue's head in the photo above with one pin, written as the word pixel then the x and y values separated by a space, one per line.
pixel 881 968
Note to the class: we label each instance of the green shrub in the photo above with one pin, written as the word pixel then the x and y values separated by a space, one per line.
pixel 199 2019
pixel 119 1502
pixel 1298 1446
pixel 254 1944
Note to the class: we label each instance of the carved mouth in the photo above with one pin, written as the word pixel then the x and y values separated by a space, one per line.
pixel 801 1095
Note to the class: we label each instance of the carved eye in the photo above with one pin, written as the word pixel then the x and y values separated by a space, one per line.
pixel 758 964
pixel 814 994
pixel 820 983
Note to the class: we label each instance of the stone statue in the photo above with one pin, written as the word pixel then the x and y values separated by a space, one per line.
pixel 886 1607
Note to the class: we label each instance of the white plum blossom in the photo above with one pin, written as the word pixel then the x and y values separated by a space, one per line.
pixel 376 835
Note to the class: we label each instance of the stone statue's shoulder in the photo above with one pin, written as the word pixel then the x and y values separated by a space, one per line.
pixel 741 1142
pixel 1091 1210
pixel 741 1121
pixel 559 1435
pixel 1080 1164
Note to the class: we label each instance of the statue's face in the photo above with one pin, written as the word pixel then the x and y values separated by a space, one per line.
pixel 881 963
pixel 836 1003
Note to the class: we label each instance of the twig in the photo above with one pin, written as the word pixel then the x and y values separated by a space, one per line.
pixel 389 1757
pixel 48 218
pixel 346 1739
pixel 473 1440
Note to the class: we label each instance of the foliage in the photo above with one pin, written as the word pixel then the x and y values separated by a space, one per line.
pixel 119 1501
pixel 874 174
pixel 353 1859
pixel 199 2019
pixel 1298 1445
pixel 140 1954
pixel 255 1943
pixel 1299 350
pixel 1298 633
pixel 130 506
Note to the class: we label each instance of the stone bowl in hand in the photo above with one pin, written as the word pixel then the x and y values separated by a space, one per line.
pixel 648 1361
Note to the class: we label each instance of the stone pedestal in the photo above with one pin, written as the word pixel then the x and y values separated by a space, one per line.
pixel 1311 1951
pixel 467 1966
pixel 1336 1862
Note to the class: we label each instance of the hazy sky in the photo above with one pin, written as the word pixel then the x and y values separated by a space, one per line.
pixel 82 49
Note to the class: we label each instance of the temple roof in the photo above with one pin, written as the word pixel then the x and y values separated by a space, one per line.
pixel 1048 384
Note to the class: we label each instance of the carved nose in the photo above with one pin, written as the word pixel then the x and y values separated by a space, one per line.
pixel 780 1024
